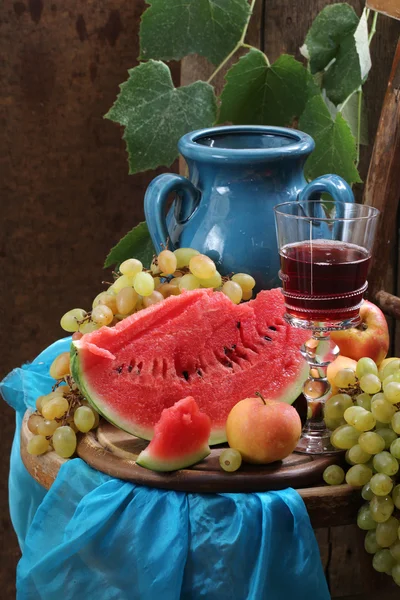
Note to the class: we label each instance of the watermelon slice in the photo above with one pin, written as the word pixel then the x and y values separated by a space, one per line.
pixel 180 438
pixel 198 344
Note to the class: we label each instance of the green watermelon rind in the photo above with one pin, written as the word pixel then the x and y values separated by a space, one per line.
pixel 218 436
pixel 93 399
pixel 147 460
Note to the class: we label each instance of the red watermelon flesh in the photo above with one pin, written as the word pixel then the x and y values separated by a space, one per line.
pixel 198 344
pixel 180 438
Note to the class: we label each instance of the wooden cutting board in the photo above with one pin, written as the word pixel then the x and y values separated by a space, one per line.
pixel 114 452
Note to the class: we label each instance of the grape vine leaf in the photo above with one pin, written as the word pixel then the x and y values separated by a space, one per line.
pixel 172 29
pixel 335 147
pixel 155 114
pixel 349 112
pixel 135 244
pixel 261 94
pixel 337 44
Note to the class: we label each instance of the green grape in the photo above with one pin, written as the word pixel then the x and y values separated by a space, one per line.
pixel 331 424
pixel 344 378
pixel 385 463
pixel 366 492
pixel 396 496
pixel 377 397
pixel 381 484
pixel 358 456
pixel 47 428
pixel 64 441
pixel 366 366
pixel 144 284
pixel 395 378
pixel 371 442
pixel 383 561
pixel 246 282
pixel 212 282
pixel 389 369
pixel 382 508
pixel 247 294
pixel 189 282
pixel 386 533
pixel 364 400
pixel 202 267
pixel 345 437
pixel 89 326
pixel 388 436
pixel 183 256
pixel 125 301
pixel 370 544
pixel 230 460
pixel 333 475
pixel 122 282
pixel 396 574
pixel 33 422
pixel 361 419
pixel 166 290
pixel 154 298
pixel 382 410
pixel 233 291
pixel 38 444
pixel 392 392
pixel 84 418
pixel 55 408
pixel 395 550
pixel 107 299
pixel 102 315
pixel 395 422
pixel 395 448
pixel 336 405
pixel 371 384
pixel 70 321
pixel 364 519
pixel 130 267
pixel 167 262
pixel 380 425
pixel 348 459
pixel 358 475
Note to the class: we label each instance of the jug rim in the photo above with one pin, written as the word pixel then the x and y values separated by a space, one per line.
pixel 189 146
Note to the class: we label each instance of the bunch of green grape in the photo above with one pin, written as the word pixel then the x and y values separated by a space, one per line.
pixel 136 288
pixel 60 415
pixel 366 417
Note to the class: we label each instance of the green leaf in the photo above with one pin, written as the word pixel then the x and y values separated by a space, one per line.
pixel 335 146
pixel 261 94
pixel 172 29
pixel 135 244
pixel 337 43
pixel 349 112
pixel 155 114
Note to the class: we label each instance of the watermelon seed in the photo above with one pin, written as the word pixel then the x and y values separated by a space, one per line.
pixel 186 375
pixel 238 324
pixel 272 328
pixel 130 368
pixel 266 337
pixel 229 364
pixel 119 369
pixel 199 373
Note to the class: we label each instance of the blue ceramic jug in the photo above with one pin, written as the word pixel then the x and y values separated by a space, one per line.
pixel 224 209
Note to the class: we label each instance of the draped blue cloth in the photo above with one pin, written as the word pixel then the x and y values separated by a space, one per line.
pixel 93 536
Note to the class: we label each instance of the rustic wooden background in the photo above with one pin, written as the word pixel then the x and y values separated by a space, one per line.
pixel 66 195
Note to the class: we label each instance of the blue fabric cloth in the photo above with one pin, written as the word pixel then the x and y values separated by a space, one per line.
pixel 93 536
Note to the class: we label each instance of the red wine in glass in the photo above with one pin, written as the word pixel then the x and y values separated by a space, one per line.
pixel 324 280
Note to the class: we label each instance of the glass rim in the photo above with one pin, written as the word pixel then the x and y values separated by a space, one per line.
pixel 373 212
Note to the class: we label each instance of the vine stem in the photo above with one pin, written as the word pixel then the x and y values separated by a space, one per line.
pixel 239 45
pixel 373 27
pixel 360 94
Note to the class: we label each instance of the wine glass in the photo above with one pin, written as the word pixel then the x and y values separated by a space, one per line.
pixel 325 251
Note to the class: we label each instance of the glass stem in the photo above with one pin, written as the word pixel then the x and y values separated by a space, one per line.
pixel 319 351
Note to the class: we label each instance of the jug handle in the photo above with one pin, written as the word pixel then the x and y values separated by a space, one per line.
pixel 155 202
pixel 334 185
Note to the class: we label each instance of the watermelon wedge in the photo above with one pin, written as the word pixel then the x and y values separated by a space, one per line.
pixel 180 438
pixel 198 344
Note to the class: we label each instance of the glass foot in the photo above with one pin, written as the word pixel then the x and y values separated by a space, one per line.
pixel 311 444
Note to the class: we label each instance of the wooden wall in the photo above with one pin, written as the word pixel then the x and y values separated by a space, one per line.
pixel 66 197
